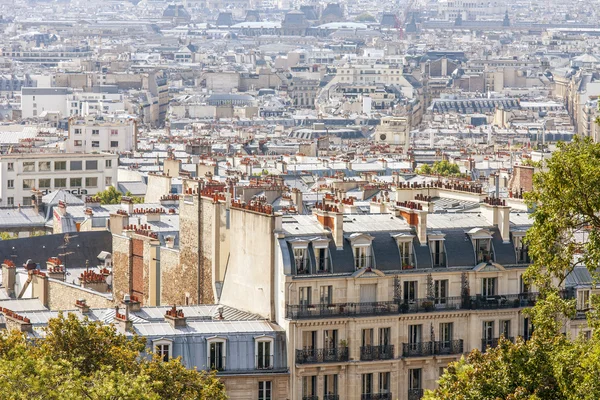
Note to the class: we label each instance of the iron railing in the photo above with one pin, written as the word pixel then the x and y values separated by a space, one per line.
pixel 331 397
pixel 424 349
pixel 381 352
pixel 313 397
pixel 479 302
pixel 492 342
pixel 415 394
pixel 264 362
pixel 316 356
pixel 376 396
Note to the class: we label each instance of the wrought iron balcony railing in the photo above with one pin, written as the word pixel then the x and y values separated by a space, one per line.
pixel 492 342
pixel 316 356
pixel 415 394
pixel 381 352
pixel 424 349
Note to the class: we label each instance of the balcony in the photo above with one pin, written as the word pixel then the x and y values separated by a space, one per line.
pixel 317 356
pixel 313 397
pixel 405 306
pixel 439 348
pixel 415 394
pixel 492 342
pixel 372 353
pixel 264 362
pixel 331 397
pixel 376 396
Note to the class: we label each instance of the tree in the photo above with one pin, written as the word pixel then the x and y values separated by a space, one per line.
pixel 564 235
pixel 366 17
pixel 442 168
pixel 88 360
pixel 113 196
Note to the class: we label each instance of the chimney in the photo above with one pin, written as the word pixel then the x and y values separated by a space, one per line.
pixel 330 217
pixel 62 208
pixel 297 200
pixel 55 269
pixel 118 221
pixel 127 204
pixel 414 214
pixel 82 306
pixel 175 317
pixel 124 324
pixel 504 223
pixel 17 322
pixel 153 215
pixel 170 242
pixel 135 304
pixel 496 212
pixel 9 275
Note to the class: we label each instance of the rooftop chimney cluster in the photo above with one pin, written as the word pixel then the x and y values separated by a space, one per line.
pixel 422 197
pixel 91 277
pixel 14 315
pixel 169 197
pixel 326 207
pixel 143 230
pixel 516 194
pixel 492 201
pixel 409 204
pixel 175 313
pixel 149 210
pixel 8 263
pixel 123 212
pixel 253 205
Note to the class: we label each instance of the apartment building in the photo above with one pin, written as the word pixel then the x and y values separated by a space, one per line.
pixel 79 174
pixel 93 134
pixel 375 306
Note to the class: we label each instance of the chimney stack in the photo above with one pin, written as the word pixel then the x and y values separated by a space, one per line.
pixel 175 317
pixel 330 217
pixel 9 276
pixel 82 306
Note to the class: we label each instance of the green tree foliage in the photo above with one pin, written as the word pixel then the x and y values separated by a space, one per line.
pixel 87 360
pixel 366 17
pixel 565 233
pixel 442 168
pixel 113 196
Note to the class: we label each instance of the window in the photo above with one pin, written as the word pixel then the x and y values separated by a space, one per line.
pixel 367 337
pixel 27 201
pixel 78 143
pixel 44 166
pixel 91 165
pixel 216 354
pixel 28 184
pixel 301 260
pixel 76 165
pixel 330 387
pixel 361 257
pixel 446 332
pixel 77 131
pixel 264 390
pixel 488 287
pixel 114 132
pixel 309 386
pixel 437 253
pixel 505 328
pixel 406 254
pixel 583 299
pixel 482 248
pixel 384 382
pixel 91 182
pixel 60 165
pixel 44 183
pixel 95 143
pixel 305 296
pixel 410 290
pixel 75 182
pixel 414 334
pixel 322 258
pixel 488 333
pixel 330 338
pixel 95 131
pixel 524 286
pixel 60 183
pixel 367 384
pixel 108 181
pixel 108 163
pixel 29 166
pixel 10 166
pixel 414 379
pixel 114 143
pixel 521 250
pixel 309 340
pixel 264 355
pixel 10 201
pixel 163 349
pixel 326 294
pixel 440 290
pixel 10 184
pixel 384 337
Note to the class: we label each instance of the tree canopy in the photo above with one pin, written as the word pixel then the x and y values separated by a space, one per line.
pixel 113 196
pixel 565 235
pixel 88 360
pixel 443 168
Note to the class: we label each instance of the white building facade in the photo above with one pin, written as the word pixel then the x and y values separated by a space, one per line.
pixel 93 134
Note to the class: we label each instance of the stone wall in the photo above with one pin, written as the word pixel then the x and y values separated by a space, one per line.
pixel 189 246
pixel 62 296
pixel 122 259
pixel 246 387
pixel 174 286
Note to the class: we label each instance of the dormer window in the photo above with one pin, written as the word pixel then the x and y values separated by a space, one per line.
pixel 521 248
pixel 362 250
pixel 438 252
pixel 405 247
pixel 301 261
pixel 482 244
pixel 216 354
pixel 321 248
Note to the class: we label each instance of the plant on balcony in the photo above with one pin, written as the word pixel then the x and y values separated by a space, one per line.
pixel 428 305
pixel 343 343
pixel 403 307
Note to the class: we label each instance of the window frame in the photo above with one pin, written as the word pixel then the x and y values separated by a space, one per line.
pixel 163 342
pixel 216 340
pixel 264 392
pixel 261 340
